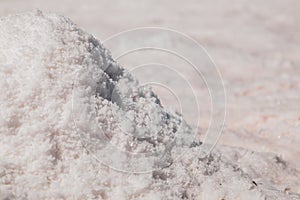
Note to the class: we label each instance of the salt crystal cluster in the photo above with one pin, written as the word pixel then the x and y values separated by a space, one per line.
pixel 64 99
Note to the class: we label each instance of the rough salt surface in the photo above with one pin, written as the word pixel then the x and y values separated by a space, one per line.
pixel 44 58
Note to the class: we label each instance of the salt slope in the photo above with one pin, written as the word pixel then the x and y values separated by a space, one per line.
pixel 52 72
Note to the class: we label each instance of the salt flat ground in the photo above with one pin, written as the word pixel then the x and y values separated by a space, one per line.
pixel 255 45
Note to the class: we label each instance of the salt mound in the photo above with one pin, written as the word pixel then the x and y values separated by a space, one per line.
pixel 60 88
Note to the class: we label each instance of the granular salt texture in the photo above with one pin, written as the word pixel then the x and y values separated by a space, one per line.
pixel 52 72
